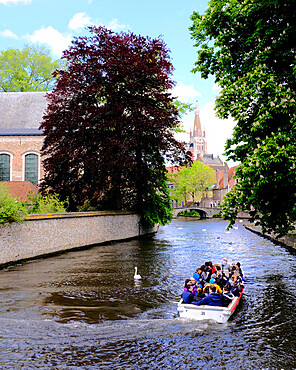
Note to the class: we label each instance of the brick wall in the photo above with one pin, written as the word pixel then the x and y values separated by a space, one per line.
pixel 19 146
pixel 46 234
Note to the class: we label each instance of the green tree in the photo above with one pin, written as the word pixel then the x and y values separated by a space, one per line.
pixel 194 180
pixel 181 185
pixel 202 177
pixel 30 69
pixel 249 46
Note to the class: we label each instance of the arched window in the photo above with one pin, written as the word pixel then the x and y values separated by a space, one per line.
pixel 4 167
pixel 31 168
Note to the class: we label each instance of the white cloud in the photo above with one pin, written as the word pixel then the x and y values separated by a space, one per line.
pixel 53 38
pixel 184 92
pixel 114 25
pixel 79 21
pixel 5 2
pixel 59 42
pixel 8 33
pixel 217 130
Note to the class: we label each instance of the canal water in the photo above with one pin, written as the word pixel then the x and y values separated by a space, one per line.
pixel 83 309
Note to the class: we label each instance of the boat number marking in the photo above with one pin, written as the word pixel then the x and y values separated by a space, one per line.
pixel 203 313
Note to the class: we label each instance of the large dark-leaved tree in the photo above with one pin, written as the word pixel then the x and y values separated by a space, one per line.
pixel 250 48
pixel 109 125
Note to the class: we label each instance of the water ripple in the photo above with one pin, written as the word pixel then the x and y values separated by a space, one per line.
pixel 84 310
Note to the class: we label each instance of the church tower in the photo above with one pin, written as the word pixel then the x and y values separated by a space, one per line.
pixel 197 143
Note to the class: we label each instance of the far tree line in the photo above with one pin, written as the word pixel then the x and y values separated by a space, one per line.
pixel 118 156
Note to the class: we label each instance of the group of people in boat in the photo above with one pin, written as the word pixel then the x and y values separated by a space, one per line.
pixel 214 284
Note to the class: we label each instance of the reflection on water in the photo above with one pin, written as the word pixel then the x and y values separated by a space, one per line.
pixel 85 310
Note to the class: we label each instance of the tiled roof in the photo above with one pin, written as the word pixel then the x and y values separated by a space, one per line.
pixel 22 110
pixel 210 159
pixel 231 180
pixel 173 169
pixel 20 189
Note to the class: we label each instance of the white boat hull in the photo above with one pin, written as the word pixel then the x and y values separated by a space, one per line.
pixel 216 313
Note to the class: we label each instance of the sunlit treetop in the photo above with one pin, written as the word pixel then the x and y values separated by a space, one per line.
pixel 29 69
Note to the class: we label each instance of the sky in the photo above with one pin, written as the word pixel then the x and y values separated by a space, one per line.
pixel 54 23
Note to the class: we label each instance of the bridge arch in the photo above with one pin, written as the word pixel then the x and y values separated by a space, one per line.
pixel 204 212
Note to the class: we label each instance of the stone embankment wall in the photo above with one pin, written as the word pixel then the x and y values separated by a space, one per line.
pixel 289 240
pixel 41 235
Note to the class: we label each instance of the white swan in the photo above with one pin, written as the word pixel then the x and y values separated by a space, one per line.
pixel 137 276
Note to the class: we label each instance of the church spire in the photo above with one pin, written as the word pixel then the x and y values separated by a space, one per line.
pixel 198 142
pixel 197 125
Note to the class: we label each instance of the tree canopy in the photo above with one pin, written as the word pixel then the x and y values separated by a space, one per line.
pixel 193 181
pixel 29 69
pixel 249 46
pixel 109 125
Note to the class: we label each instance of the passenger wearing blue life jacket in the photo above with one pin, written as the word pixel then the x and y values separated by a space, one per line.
pixel 197 276
pixel 213 299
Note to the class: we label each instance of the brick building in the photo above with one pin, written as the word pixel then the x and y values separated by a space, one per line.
pixel 20 137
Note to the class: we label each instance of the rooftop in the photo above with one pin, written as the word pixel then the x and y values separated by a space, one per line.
pixel 20 189
pixel 210 159
pixel 22 110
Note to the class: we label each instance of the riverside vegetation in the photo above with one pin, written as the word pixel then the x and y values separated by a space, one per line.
pixel 13 210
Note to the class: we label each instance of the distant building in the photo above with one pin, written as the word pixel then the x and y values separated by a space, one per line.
pixel 198 148
pixel 214 162
pixel 197 141
pixel 224 183
pixel 20 138
pixel 173 170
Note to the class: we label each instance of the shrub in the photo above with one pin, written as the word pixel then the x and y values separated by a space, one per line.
pixel 48 203
pixel 191 213
pixel 87 207
pixel 11 210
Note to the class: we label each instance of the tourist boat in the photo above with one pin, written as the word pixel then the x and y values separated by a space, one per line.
pixel 216 313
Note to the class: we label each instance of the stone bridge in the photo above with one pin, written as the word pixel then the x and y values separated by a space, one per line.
pixel 205 212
